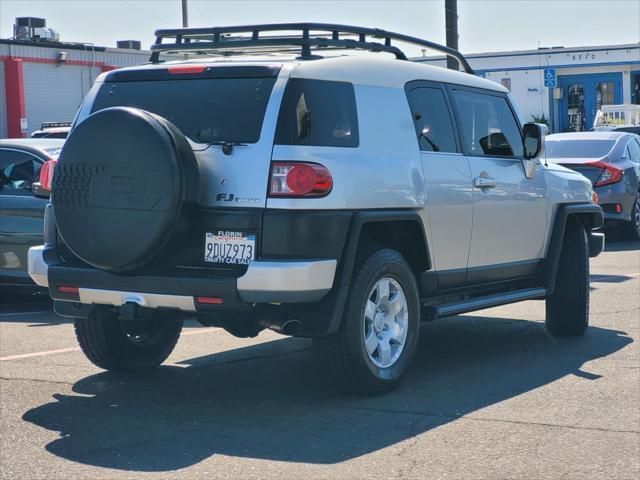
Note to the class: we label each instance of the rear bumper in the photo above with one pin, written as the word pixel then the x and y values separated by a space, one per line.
pixel 282 281
pixel 621 194
pixel 596 243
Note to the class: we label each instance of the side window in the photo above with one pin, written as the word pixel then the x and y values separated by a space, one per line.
pixel 634 150
pixel 488 125
pixel 318 112
pixel 18 170
pixel 432 120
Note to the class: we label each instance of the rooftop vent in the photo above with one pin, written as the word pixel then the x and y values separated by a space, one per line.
pixel 129 44
pixel 33 29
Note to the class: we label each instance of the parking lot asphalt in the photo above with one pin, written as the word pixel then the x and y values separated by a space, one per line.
pixel 490 395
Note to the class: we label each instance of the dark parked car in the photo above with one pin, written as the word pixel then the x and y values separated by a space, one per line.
pixel 611 160
pixel 26 169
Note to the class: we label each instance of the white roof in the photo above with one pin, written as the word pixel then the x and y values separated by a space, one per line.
pixel 40 143
pixel 388 72
pixel 368 69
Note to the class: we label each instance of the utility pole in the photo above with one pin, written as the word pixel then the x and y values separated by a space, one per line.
pixel 451 25
pixel 185 14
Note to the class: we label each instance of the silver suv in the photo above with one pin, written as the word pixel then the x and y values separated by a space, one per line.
pixel 344 198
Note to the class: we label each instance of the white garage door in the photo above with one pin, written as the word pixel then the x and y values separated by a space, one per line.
pixel 54 93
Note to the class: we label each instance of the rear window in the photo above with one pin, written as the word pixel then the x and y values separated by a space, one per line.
pixel 207 110
pixel 578 148
pixel 319 113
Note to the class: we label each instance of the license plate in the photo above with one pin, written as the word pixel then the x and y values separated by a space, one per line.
pixel 234 248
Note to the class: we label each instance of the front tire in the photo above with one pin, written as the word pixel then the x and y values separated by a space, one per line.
pixel 568 306
pixel 380 328
pixel 118 346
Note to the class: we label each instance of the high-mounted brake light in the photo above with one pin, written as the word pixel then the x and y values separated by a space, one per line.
pixel 46 175
pixel 177 69
pixel 298 179
pixel 609 175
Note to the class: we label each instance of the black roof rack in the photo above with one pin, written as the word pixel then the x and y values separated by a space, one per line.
pixel 319 36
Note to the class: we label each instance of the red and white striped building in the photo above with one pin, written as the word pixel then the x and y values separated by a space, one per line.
pixel 47 81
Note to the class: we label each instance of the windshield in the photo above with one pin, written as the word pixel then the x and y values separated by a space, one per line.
pixel 207 110
pixel 578 148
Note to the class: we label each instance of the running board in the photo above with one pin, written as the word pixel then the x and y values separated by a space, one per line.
pixel 480 303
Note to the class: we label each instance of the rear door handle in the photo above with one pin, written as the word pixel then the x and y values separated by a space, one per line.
pixel 481 182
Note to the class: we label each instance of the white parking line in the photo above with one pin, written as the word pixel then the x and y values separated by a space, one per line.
pixel 77 349
pixel 39 354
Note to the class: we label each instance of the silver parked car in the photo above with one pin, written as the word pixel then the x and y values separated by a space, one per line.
pixel 611 160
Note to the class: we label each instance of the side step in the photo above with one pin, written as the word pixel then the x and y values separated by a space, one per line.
pixel 479 303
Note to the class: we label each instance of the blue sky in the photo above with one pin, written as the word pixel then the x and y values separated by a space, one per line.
pixel 491 25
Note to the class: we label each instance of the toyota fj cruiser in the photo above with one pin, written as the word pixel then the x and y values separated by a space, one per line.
pixel 344 198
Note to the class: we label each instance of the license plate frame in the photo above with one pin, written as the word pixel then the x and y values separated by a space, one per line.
pixel 229 247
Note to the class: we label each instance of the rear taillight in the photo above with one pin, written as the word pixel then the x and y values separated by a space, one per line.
pixel 46 175
pixel 289 179
pixel 609 175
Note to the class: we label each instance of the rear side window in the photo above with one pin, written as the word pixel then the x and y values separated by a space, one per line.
pixel 318 112
pixel 488 125
pixel 208 110
pixel 432 121
pixel 634 150
pixel 558 148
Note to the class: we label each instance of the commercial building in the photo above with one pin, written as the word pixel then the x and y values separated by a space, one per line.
pixel 44 80
pixel 566 85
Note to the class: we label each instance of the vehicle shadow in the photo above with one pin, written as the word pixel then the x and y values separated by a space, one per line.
pixel 271 401
pixel 621 246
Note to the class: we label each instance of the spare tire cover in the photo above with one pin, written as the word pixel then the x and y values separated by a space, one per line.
pixel 120 186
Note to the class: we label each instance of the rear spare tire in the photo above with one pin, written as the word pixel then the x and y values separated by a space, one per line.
pixel 126 179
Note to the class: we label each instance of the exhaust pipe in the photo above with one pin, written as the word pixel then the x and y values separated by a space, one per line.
pixel 288 327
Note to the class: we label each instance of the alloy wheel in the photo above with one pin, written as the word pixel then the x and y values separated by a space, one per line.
pixel 386 319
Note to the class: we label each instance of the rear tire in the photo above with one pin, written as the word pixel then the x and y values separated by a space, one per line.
pixel 378 337
pixel 568 306
pixel 118 346
pixel 633 227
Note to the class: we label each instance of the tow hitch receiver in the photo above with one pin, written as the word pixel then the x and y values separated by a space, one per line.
pixel 129 311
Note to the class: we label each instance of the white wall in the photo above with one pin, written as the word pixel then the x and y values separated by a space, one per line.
pixel 528 90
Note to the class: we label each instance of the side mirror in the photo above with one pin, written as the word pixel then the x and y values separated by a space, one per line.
pixel 39 191
pixel 533 141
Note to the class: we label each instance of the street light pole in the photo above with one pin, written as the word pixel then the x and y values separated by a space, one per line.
pixel 451 25
pixel 185 14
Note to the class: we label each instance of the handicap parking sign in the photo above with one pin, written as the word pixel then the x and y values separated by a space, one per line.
pixel 550 79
